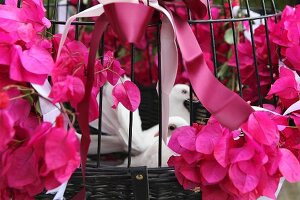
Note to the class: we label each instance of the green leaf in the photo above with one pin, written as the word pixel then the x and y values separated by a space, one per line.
pixel 223 70
pixel 228 37
pixel 28 97
pixel 121 53
pixel 38 108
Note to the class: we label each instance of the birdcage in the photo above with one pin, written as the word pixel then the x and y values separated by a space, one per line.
pixel 219 35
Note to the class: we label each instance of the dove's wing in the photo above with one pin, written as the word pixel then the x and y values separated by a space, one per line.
pixel 149 156
pixel 139 138
pixel 109 144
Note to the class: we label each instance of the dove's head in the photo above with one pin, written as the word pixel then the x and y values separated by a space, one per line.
pixel 180 92
pixel 174 123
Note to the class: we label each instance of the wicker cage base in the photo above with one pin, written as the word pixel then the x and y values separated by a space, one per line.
pixel 109 183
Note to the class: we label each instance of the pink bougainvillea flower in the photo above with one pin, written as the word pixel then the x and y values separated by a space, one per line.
pixel 6 129
pixel 210 136
pixel 289 165
pixel 262 128
pixel 212 171
pixel 4 100
pixel 37 60
pixel 100 74
pixel 60 162
pixel 246 152
pixel 19 110
pixel 214 192
pixel 241 163
pixel 113 66
pixel 221 150
pixel 19 73
pixel 187 175
pixel 246 64
pixel 179 143
pixel 23 168
pixel 33 12
pixel 70 89
pixel 291 55
pixel 244 181
pixel 128 94
pixel 287 87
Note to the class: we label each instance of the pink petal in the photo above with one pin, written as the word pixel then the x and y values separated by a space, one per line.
pixel 100 75
pixel 192 157
pixel 289 165
pixel 273 162
pixel 24 168
pixel 19 110
pixel 227 185
pixel 176 145
pixel 7 131
pixel 268 185
pixel 241 154
pixel 208 137
pixel 128 94
pixel 212 171
pixel 37 60
pixel 69 89
pixel 5 52
pixel 214 193
pixel 26 33
pixel 191 173
pixel 292 56
pixel 113 77
pixel 262 128
pixel 18 73
pixel 285 87
pixel 114 71
pixel 61 156
pixel 221 151
pixel 188 139
pixel 242 181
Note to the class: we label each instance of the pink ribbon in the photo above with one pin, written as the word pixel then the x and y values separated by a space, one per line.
pixel 83 106
pixel 131 26
pixel 229 108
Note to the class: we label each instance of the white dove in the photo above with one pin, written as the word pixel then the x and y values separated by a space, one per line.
pixel 116 123
pixel 149 157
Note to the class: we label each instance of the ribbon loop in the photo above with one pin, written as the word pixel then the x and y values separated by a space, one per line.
pixel 129 21
pixel 229 108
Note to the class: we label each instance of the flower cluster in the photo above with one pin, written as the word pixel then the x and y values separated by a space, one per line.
pixel 241 164
pixel 34 155
pixel 25 53
pixel 286 35
pixel 247 64
pixel 68 77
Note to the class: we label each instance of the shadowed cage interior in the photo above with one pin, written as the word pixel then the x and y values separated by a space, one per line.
pixel 104 181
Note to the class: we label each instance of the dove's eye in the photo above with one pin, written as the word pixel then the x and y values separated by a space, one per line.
pixel 184 91
pixel 172 127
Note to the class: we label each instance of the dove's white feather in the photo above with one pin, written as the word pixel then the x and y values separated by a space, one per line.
pixel 149 156
pixel 179 93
